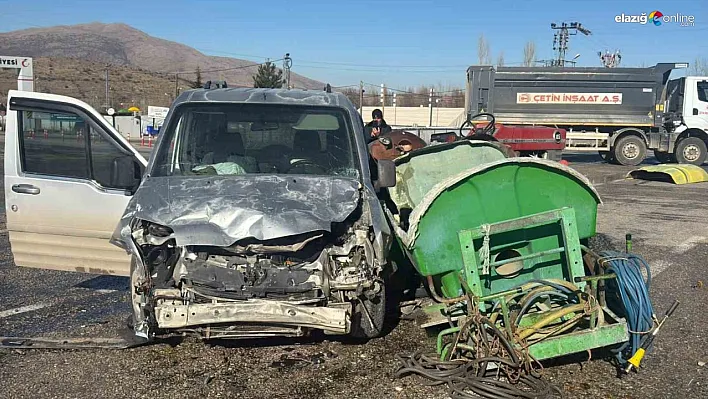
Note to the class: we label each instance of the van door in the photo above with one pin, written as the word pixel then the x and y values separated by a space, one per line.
pixel 68 178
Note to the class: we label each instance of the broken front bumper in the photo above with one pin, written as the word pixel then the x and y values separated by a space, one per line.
pixel 175 315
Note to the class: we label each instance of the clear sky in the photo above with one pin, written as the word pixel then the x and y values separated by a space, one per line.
pixel 397 42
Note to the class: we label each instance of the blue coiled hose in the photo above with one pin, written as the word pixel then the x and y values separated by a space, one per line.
pixel 630 294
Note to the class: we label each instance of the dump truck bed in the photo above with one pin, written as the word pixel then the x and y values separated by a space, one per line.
pixel 569 96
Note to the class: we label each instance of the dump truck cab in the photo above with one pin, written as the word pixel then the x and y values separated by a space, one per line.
pixel 686 101
pixel 256 215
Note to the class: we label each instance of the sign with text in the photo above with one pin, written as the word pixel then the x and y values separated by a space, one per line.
pixel 157 112
pixel 569 98
pixel 15 62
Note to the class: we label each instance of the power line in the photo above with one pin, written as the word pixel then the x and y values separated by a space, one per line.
pixel 225 69
pixel 413 93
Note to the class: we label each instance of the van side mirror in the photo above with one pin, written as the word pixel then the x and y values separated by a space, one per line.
pixel 386 174
pixel 126 173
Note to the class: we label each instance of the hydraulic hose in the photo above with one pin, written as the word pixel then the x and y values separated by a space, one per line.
pixel 548 318
pixel 632 294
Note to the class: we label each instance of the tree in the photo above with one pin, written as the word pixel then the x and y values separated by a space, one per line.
pixel 483 50
pixel 352 94
pixel 198 82
pixel 699 67
pixel 268 76
pixel 500 59
pixel 529 54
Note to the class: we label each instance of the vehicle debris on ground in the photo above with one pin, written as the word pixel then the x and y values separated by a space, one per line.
pixel 671 173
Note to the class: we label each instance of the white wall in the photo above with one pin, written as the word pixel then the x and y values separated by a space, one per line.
pixel 418 116
pixel 126 124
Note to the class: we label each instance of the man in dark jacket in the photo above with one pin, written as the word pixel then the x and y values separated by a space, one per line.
pixel 377 126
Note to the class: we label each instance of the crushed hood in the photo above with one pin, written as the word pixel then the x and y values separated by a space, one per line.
pixel 219 211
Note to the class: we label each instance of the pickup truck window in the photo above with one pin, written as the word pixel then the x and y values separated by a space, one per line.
pixel 237 139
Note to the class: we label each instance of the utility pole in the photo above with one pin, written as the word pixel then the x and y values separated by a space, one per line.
pixel 610 60
pixel 383 98
pixel 430 105
pixel 287 64
pixel 361 98
pixel 176 87
pixel 394 108
pixel 108 100
pixel 562 37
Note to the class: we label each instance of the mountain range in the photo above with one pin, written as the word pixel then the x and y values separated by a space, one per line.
pixel 72 60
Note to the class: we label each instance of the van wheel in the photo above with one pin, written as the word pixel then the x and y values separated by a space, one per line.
pixel 134 300
pixel 369 315
pixel 691 150
pixel 630 150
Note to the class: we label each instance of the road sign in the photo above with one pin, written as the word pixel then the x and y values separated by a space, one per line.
pixel 65 118
pixel 157 112
pixel 111 111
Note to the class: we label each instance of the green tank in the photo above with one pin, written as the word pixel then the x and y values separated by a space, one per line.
pixel 453 192
pixel 503 238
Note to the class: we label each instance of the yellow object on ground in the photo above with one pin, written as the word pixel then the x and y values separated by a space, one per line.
pixel 671 173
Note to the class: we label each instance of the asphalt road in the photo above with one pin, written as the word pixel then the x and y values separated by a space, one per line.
pixel 668 227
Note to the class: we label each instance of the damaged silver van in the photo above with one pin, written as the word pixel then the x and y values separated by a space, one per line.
pixel 257 214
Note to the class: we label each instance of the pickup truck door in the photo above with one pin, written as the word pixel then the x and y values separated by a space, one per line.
pixel 68 178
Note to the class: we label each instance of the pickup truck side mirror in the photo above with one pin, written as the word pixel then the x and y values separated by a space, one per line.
pixel 386 174
pixel 126 173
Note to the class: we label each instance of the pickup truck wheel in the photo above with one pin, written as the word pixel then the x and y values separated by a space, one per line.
pixel 630 150
pixel 664 157
pixel 369 315
pixel 691 150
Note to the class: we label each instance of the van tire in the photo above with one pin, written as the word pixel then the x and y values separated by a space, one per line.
pixel 630 150
pixel 361 324
pixel 691 150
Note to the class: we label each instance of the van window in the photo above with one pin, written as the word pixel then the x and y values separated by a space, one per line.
pixel 57 144
pixel 239 139
pixel 53 144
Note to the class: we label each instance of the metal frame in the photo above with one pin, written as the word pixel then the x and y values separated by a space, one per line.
pixel 571 245
pixel 607 330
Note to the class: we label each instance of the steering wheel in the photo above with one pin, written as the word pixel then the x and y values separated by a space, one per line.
pixel 488 129
pixel 301 162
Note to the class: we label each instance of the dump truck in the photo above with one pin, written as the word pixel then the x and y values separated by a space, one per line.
pixel 619 112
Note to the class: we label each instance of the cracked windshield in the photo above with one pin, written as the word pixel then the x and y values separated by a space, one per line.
pixel 239 139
